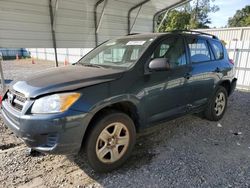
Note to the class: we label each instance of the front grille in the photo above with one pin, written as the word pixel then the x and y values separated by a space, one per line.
pixel 16 99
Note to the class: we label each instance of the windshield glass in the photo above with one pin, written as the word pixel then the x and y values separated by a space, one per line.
pixel 119 53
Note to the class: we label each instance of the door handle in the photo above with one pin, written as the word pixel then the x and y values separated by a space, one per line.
pixel 187 76
pixel 218 70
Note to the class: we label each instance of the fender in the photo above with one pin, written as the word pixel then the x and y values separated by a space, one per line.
pixel 113 100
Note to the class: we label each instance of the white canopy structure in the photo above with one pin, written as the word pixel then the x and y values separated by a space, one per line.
pixel 75 23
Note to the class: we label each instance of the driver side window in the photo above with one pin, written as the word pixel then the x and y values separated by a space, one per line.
pixel 173 49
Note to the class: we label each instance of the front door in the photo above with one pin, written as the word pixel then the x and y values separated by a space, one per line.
pixel 166 92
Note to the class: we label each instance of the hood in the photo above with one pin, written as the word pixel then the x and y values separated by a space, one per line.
pixel 63 79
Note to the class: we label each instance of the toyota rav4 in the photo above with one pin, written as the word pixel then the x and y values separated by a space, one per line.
pixel 116 90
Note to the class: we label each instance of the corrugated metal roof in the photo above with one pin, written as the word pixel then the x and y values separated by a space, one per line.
pixel 26 23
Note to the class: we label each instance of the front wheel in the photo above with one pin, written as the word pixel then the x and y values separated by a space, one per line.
pixel 110 141
pixel 217 105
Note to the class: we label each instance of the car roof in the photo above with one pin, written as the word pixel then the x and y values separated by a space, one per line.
pixel 156 35
pixel 143 35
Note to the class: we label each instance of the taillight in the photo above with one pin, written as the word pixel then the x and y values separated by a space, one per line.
pixel 231 61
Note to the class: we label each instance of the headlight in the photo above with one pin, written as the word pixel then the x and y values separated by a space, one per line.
pixel 54 103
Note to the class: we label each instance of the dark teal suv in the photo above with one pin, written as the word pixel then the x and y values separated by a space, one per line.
pixel 118 89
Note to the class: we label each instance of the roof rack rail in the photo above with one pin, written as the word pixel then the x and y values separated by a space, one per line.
pixel 192 31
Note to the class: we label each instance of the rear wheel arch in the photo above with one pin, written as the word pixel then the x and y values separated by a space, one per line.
pixel 211 109
pixel 227 85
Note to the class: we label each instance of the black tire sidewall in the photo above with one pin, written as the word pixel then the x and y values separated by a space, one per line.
pixel 211 115
pixel 95 163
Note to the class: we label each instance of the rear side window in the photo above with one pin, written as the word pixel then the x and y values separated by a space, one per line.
pixel 199 50
pixel 218 49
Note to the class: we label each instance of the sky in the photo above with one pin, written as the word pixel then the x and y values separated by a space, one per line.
pixel 227 9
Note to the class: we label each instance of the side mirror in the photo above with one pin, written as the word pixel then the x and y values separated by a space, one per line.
pixel 159 64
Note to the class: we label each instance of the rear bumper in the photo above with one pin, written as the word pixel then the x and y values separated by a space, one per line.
pixel 50 133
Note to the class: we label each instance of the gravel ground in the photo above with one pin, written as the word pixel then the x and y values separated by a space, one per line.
pixel 186 152
pixel 15 69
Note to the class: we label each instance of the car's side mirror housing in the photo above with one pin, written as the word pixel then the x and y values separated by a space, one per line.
pixel 159 64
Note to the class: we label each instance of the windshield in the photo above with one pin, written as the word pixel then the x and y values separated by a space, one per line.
pixel 119 53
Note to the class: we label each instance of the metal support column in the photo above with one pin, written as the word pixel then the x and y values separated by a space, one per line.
pixel 95 20
pixel 100 21
pixel 130 11
pixel 182 2
pixel 52 29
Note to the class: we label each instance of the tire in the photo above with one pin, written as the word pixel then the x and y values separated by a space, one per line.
pixel 217 104
pixel 110 141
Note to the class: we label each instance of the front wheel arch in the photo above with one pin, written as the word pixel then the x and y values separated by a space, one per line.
pixel 127 107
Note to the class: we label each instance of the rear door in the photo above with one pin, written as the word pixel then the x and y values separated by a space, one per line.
pixel 205 70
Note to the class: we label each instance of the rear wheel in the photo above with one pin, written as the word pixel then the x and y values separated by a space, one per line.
pixel 217 105
pixel 110 141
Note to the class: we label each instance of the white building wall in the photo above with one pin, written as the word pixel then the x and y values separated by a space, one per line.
pixel 238 46
pixel 71 55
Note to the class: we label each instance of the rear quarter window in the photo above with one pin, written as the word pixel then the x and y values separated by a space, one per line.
pixel 217 49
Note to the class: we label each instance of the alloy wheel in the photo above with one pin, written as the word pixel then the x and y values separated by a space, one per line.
pixel 220 103
pixel 112 142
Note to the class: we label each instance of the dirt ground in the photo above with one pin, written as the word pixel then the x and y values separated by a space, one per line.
pixel 186 152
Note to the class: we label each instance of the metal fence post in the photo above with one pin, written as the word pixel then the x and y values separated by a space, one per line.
pixel 36 53
pixel 244 77
pixel 1 72
pixel 45 53
pixel 235 51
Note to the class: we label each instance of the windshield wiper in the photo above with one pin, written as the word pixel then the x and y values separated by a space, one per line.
pixel 89 65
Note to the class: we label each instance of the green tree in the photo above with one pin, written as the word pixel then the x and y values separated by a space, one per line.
pixel 241 18
pixel 199 13
pixel 191 16
pixel 175 20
